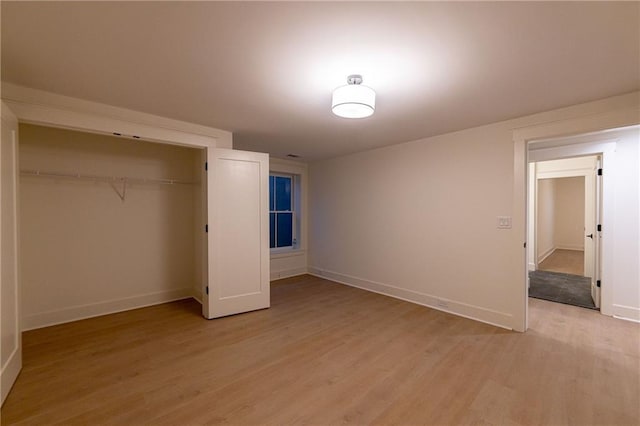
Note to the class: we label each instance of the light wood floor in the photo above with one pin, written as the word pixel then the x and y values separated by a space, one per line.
pixel 566 261
pixel 328 354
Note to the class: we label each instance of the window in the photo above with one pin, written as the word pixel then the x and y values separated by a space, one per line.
pixel 282 215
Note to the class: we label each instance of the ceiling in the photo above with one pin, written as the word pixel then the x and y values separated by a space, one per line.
pixel 265 71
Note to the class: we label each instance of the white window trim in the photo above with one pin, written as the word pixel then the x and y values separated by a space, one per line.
pixel 300 171
pixel 295 245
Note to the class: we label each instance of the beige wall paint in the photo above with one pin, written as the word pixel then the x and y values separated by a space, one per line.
pixel 84 250
pixel 418 220
pixel 546 242
pixel 569 213
pixel 560 217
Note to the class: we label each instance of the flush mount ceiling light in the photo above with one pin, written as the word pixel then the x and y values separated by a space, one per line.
pixel 353 100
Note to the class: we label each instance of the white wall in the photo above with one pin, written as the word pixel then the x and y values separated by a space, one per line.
pixel 289 263
pixel 560 217
pixel 85 251
pixel 626 294
pixel 546 242
pixel 569 213
pixel 417 220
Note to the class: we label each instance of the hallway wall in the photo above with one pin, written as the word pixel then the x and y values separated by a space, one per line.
pixel 569 213
pixel 546 218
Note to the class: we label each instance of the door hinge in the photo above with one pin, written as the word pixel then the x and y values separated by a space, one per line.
pixel 599 228
pixel 525 244
pixel 206 289
pixel 598 283
pixel 206 166
pixel 599 172
pixel 206 228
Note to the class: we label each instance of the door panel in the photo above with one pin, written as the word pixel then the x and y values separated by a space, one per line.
pixel 594 253
pixel 11 338
pixel 238 232
pixel 589 224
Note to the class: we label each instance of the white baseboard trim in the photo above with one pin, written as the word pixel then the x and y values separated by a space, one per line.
pixel 569 247
pixel 628 313
pixel 75 313
pixel 477 313
pixel 532 266
pixel 546 254
pixel 10 372
pixel 287 273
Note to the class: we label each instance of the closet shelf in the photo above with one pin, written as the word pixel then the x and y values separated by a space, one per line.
pixel 111 180
pixel 119 179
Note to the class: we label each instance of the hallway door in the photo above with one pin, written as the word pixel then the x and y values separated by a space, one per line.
pixel 593 188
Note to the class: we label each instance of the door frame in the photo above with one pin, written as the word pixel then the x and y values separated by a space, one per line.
pixel 590 187
pixel 11 369
pixel 597 124
pixel 574 146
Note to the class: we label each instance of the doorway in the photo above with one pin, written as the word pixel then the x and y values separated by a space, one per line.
pixel 564 208
pixel 564 197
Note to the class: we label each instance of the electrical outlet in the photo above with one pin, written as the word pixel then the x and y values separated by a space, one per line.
pixel 504 222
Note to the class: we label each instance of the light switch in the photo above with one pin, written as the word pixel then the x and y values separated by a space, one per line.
pixel 504 222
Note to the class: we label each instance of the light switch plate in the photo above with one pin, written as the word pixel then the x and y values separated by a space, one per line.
pixel 504 222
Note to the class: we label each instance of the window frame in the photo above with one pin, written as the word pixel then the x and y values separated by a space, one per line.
pixel 295 244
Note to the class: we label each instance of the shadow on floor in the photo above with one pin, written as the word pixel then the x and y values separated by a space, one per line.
pixel 562 288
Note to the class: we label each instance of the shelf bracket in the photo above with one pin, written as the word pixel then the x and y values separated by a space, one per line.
pixel 122 193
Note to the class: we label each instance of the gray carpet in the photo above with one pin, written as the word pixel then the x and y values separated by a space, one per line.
pixel 562 288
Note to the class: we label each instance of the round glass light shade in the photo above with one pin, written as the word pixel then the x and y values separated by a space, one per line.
pixel 353 101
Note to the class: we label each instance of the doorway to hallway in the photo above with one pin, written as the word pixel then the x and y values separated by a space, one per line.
pixel 565 209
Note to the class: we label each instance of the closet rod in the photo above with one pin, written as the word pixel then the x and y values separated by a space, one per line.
pixel 103 178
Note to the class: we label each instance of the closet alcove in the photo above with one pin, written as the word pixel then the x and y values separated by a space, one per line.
pixel 106 224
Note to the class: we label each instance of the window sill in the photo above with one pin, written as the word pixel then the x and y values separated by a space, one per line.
pixel 280 253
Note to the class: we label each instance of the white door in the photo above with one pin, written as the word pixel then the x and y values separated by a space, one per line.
pixel 593 244
pixel 589 223
pixel 11 338
pixel 238 232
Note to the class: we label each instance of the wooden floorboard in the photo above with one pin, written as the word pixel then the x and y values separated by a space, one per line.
pixel 327 354
pixel 564 261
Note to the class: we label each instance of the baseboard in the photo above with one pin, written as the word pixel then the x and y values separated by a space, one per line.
pixel 628 313
pixel 477 313
pixel 10 372
pixel 196 293
pixel 546 254
pixel 569 247
pixel 75 313
pixel 287 273
pixel 532 266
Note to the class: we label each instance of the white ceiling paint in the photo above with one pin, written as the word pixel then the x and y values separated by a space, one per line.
pixel 265 71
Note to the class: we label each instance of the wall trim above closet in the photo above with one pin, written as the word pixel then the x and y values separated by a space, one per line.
pixel 49 109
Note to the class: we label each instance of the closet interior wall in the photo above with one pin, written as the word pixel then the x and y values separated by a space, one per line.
pixel 90 247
